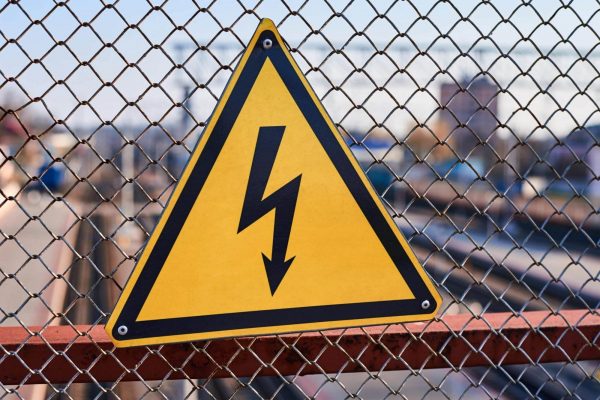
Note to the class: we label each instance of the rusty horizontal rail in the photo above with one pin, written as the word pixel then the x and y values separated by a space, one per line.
pixel 62 354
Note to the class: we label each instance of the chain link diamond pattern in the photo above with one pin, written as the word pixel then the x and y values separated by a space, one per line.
pixel 477 123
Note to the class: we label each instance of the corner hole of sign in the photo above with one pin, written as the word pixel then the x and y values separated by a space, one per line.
pixel 122 330
pixel 425 304
pixel 267 44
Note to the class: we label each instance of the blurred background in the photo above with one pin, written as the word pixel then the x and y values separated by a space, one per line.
pixel 477 122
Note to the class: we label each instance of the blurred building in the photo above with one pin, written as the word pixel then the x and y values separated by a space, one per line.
pixel 11 131
pixel 576 160
pixel 470 112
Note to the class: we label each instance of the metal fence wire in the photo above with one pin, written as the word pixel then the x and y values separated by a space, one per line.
pixel 477 122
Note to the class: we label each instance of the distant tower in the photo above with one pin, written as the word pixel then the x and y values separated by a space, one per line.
pixel 186 119
pixel 471 112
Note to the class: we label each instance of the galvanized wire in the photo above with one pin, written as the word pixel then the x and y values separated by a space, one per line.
pixel 477 122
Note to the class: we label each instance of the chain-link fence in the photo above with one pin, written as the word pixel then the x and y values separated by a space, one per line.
pixel 477 122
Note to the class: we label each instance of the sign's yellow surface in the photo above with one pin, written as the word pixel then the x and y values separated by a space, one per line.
pixel 272 228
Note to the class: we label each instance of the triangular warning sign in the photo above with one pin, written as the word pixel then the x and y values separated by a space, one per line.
pixel 273 226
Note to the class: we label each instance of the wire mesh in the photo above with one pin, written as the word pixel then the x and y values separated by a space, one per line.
pixel 477 122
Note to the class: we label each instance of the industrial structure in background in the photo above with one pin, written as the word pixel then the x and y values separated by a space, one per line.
pixel 470 111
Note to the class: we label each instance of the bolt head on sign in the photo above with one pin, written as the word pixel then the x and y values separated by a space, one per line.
pixel 273 226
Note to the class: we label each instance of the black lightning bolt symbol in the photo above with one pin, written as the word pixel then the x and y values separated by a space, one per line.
pixel 283 201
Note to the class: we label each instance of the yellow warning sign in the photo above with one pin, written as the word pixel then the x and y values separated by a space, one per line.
pixel 273 226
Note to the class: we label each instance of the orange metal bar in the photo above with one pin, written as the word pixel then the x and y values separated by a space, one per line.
pixel 84 353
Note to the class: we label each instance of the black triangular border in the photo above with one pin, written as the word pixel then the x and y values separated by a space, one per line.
pixel 200 172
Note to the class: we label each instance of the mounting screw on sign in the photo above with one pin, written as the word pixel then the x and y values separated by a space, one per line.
pixel 267 44
pixel 425 304
pixel 122 330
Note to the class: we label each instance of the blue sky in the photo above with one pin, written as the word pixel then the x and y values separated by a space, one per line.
pixel 415 25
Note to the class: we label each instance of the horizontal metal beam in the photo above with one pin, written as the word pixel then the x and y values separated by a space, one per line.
pixel 82 353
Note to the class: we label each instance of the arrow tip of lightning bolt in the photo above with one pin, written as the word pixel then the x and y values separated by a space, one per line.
pixel 276 270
